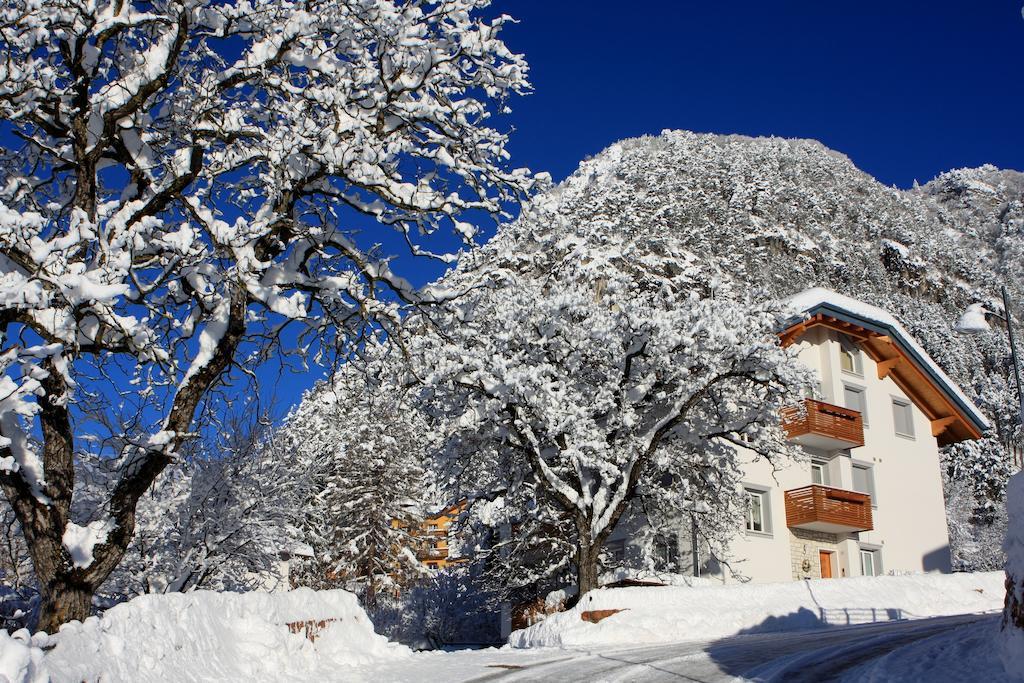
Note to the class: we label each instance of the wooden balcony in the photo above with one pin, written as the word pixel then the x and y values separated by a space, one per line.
pixel 823 508
pixel 822 425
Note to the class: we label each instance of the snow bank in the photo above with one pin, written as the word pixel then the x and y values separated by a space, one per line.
pixel 670 613
pixel 218 636
pixel 1011 641
pixel 19 660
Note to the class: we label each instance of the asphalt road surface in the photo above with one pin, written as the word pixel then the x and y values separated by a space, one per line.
pixel 807 656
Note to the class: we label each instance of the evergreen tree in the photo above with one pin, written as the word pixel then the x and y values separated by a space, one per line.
pixel 369 442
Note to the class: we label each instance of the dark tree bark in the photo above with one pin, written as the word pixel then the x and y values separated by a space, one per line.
pixel 587 561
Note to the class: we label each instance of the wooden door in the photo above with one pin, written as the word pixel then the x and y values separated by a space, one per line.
pixel 825 559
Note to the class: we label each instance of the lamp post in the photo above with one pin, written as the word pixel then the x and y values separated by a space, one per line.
pixel 973 321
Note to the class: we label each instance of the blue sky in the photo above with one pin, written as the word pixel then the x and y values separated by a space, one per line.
pixel 905 89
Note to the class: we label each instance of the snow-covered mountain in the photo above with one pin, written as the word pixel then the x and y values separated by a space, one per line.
pixel 788 214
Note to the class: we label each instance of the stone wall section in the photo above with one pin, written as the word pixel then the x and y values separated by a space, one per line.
pixel 804 547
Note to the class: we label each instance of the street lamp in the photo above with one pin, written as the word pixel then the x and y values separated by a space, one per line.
pixel 974 321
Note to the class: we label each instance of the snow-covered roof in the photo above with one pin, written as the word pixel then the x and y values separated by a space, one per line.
pixel 837 306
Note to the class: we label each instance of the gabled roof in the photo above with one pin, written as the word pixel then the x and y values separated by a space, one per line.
pixel 953 415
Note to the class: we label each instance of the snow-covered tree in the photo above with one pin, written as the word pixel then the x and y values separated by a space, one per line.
pixel 368 442
pixel 445 608
pixel 180 181
pixel 977 528
pixel 222 519
pixel 589 372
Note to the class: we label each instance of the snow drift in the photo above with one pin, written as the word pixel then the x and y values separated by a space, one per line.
pixel 1011 641
pixel 20 662
pixel 669 613
pixel 213 636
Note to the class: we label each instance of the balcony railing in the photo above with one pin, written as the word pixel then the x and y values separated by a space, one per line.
pixel 823 425
pixel 823 508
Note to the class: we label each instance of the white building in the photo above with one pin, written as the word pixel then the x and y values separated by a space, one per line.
pixel 869 500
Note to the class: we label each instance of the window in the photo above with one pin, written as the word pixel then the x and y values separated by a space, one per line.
pixel 854 398
pixel 819 473
pixel 666 552
pixel 864 481
pixel 903 417
pixel 870 562
pixel 758 511
pixel 849 357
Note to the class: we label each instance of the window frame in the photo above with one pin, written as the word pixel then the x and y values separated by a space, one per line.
pixel 616 551
pixel 875 552
pixel 863 408
pixel 666 551
pixel 815 390
pixel 846 346
pixel 764 494
pixel 870 468
pixel 900 402
pixel 822 466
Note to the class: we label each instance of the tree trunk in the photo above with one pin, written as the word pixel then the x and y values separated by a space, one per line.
pixel 63 600
pixel 65 591
pixel 587 553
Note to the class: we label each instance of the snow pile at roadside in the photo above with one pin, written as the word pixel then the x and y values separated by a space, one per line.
pixel 218 636
pixel 1011 640
pixel 19 660
pixel 669 613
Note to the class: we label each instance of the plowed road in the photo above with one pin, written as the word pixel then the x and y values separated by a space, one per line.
pixel 816 656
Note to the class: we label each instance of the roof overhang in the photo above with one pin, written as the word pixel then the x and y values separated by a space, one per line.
pixel 953 416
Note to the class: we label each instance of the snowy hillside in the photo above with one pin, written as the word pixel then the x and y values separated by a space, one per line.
pixel 791 214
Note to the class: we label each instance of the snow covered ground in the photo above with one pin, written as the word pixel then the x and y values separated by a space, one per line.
pixel 797 657
pixel 669 613
pixel 205 636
